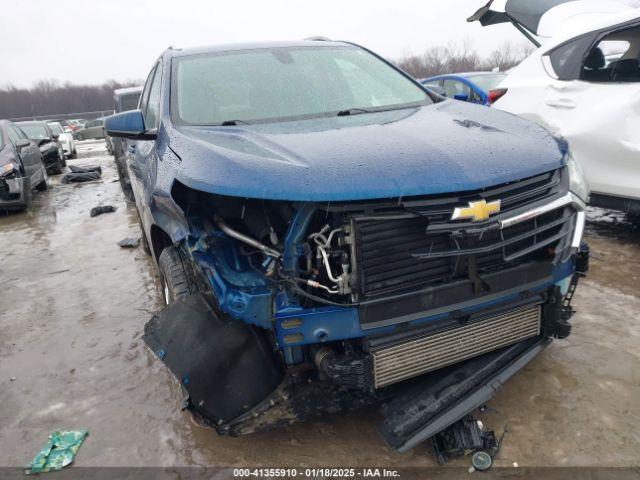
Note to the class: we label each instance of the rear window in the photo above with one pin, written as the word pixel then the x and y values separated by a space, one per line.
pixel 128 102
pixel 55 128
pixel 487 82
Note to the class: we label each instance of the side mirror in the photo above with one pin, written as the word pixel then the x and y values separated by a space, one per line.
pixel 22 143
pixel 128 124
pixel 463 97
pixel 56 136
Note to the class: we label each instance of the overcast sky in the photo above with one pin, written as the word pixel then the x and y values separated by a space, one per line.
pixel 89 41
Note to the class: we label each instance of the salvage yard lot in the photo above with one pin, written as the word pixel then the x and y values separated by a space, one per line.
pixel 73 308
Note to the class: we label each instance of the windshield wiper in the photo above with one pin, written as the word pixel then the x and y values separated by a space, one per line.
pixel 232 123
pixel 352 111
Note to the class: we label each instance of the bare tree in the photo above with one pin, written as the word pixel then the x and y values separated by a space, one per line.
pixel 50 97
pixel 458 57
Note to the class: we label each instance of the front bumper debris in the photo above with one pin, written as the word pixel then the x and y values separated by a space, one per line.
pixel 238 386
pixel 439 400
pixel 15 193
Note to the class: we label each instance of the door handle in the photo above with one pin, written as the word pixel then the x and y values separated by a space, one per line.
pixel 562 103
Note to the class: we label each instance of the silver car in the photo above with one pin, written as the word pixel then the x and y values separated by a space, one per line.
pixel 93 129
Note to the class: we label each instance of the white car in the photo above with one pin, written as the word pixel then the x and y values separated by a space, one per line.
pixel 66 139
pixel 582 84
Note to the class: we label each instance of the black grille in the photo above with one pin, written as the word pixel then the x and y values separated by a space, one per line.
pixel 407 254
pixel 512 196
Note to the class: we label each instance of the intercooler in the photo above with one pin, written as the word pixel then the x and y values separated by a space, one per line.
pixel 409 358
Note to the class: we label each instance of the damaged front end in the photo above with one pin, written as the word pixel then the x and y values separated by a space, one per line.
pixel 309 308
pixel 15 189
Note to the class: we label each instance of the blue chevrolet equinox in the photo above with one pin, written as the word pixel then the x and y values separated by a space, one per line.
pixel 330 235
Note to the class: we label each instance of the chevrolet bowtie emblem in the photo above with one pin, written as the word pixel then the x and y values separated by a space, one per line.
pixel 476 211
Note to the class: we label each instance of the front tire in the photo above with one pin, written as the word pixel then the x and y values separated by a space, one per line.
pixel 176 275
pixel 43 186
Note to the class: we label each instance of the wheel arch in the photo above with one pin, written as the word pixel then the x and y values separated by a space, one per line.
pixel 159 241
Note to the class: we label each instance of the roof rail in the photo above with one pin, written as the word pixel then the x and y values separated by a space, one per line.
pixel 318 38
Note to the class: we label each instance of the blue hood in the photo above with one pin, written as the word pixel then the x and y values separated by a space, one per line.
pixel 445 147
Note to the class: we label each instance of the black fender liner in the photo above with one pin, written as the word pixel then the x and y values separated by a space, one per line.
pixel 225 366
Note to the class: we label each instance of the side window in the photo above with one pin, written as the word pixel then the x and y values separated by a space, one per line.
pixel 454 87
pixel 19 133
pixel 615 58
pixel 566 60
pixel 152 104
pixel 13 135
pixel 144 98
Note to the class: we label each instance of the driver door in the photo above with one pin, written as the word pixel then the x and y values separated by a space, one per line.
pixel 141 154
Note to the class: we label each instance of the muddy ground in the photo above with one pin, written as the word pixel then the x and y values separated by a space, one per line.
pixel 72 309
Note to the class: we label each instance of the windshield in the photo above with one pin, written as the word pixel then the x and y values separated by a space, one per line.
pixel 35 131
pixel 488 82
pixel 284 84
pixel 128 101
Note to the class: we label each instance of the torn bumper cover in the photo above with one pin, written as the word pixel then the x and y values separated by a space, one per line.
pixel 14 193
pixel 225 365
pixel 443 398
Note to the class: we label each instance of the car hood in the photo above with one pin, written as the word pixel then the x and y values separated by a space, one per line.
pixel 445 147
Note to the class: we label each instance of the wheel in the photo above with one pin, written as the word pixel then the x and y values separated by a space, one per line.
pixel 44 184
pixel 56 169
pixel 176 275
pixel 28 195
pixel 125 183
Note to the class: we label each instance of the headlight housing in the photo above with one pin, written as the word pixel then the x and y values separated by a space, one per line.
pixel 7 170
pixel 578 184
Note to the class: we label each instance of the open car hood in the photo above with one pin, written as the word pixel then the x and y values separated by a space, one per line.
pixel 545 18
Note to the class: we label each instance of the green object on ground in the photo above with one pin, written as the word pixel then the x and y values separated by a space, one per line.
pixel 59 451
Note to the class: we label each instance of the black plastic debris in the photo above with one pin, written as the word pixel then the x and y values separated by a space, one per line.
pixel 95 211
pixel 435 403
pixel 129 242
pixel 225 380
pixel 85 168
pixel 80 177
pixel 461 438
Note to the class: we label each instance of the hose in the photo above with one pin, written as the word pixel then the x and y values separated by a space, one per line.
pixel 220 223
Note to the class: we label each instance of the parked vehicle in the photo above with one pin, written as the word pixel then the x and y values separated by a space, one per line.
pixel 125 99
pixel 471 87
pixel 47 141
pixel 74 124
pixel 93 129
pixel 583 83
pixel 21 168
pixel 65 137
pixel 329 234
